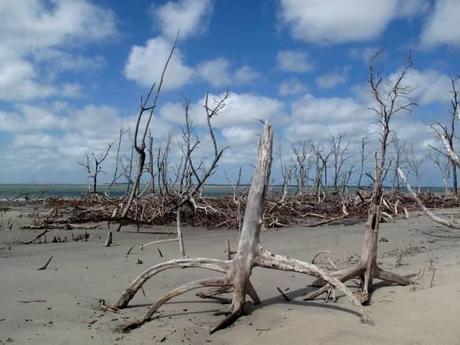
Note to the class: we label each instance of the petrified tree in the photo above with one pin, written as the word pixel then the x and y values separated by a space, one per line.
pixel 391 97
pixel 237 270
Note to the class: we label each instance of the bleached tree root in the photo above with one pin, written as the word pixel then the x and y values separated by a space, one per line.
pixel 437 219
pixel 138 282
pixel 357 272
pixel 263 258
pixel 248 255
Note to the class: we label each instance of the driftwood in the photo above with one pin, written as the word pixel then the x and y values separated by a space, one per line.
pixel 249 254
pixel 108 241
pixel 36 237
pixel 45 266
pixel 431 215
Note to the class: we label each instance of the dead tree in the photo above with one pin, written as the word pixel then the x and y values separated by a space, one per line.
pixel 447 132
pixel 93 166
pixel 300 151
pixel 345 178
pixel 450 223
pixel 151 165
pixel 364 156
pixel 415 165
pixel 339 156
pixel 321 159
pixel 399 159
pixel 237 270
pixel 391 97
pixel 116 174
pixel 191 176
pixel 148 106
pixel 444 165
pixel 286 174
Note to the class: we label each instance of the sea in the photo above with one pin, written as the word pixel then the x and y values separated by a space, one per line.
pixel 70 191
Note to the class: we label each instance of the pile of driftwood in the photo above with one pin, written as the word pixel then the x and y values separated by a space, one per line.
pixel 226 212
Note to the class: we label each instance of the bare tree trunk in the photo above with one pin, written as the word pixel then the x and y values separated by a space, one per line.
pixel 180 239
pixel 367 269
pixel 108 240
pixel 137 181
pixel 249 254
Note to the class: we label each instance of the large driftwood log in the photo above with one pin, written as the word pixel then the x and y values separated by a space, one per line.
pixel 249 254
pixel 431 215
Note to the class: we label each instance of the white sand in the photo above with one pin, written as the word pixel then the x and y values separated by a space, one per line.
pixel 83 272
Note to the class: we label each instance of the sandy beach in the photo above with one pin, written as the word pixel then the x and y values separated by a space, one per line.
pixel 60 305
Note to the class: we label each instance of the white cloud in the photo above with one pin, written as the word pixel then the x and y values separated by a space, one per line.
pixel 239 135
pixel 63 61
pixel 145 64
pixel 294 61
pixel 33 27
pixel 217 72
pixel 240 109
pixel 291 87
pixel 331 80
pixel 428 86
pixel 18 79
pixel 338 21
pixel 34 24
pixel 30 118
pixel 318 118
pixel 187 16
pixel 424 86
pixel 245 74
pixel 71 90
pixel 364 54
pixel 442 24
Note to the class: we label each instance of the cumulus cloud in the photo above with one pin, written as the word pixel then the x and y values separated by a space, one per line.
pixel 240 109
pixel 34 24
pixel 331 80
pixel 218 72
pixel 428 86
pixel 364 54
pixel 291 87
pixel 145 64
pixel 441 26
pixel 294 61
pixel 187 16
pixel 33 27
pixel 338 21
pixel 318 118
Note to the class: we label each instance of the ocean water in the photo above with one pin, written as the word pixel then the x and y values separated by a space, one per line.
pixel 69 191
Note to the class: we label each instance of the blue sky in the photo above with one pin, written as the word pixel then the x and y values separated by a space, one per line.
pixel 72 72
